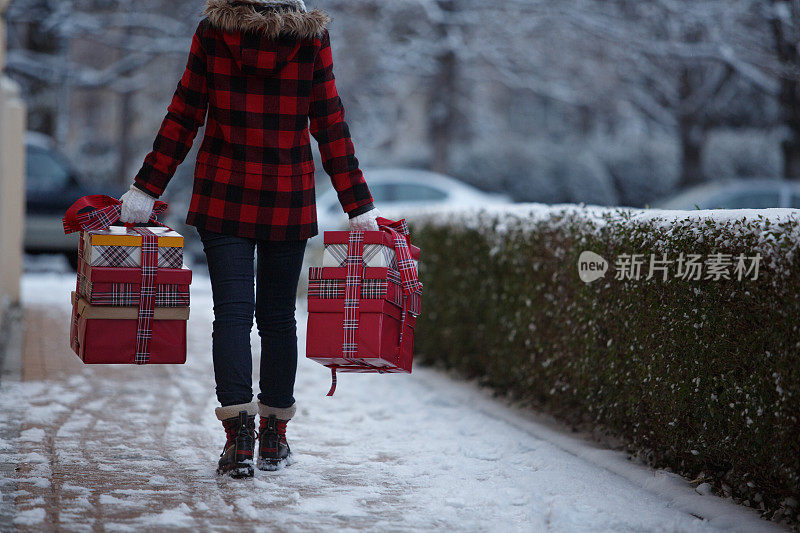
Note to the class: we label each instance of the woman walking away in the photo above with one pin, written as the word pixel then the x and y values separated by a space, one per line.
pixel 263 72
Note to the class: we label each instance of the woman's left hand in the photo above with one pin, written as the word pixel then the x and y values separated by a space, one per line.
pixel 365 221
pixel 137 206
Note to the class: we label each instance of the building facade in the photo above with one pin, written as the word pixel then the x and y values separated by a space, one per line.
pixel 12 178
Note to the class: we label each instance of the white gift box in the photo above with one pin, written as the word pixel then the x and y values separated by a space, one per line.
pixel 118 246
pixel 375 255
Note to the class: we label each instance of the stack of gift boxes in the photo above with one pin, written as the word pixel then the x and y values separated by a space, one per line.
pixel 384 339
pixel 106 324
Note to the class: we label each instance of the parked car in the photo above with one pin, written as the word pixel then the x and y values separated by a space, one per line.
pixel 51 186
pixel 736 194
pixel 398 188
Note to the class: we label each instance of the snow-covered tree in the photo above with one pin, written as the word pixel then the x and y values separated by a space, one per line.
pixel 494 92
pixel 85 61
pixel 784 19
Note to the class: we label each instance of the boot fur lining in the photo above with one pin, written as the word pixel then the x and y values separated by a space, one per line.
pixel 285 413
pixel 244 16
pixel 230 411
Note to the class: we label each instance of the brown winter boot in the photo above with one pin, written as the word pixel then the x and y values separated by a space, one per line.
pixel 236 459
pixel 273 450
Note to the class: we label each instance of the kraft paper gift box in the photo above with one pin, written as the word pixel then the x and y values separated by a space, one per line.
pixel 107 335
pixel 378 250
pixel 380 321
pixel 118 286
pixel 119 246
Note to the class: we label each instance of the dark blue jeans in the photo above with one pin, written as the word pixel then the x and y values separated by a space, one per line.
pixel 237 298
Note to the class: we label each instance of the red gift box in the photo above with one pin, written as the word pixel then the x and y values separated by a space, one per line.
pixel 361 319
pixel 116 286
pixel 380 314
pixel 107 335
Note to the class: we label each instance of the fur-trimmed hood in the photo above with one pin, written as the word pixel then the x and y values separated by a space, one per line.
pixel 272 18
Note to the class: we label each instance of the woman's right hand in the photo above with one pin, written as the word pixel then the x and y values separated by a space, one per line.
pixel 365 221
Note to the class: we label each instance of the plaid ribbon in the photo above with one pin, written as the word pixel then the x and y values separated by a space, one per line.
pixel 405 264
pixel 409 281
pixel 147 296
pixel 99 212
pixel 352 291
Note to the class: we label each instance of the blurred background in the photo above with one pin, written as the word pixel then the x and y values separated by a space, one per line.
pixel 670 103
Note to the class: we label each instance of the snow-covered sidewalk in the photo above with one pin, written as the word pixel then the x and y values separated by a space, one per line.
pixel 134 448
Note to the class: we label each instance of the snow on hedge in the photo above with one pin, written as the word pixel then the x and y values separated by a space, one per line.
pixel 695 374
pixel 776 231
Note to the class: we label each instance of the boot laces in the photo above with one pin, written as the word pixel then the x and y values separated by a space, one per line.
pixel 233 427
pixel 272 428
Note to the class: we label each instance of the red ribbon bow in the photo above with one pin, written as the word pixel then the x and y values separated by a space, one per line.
pixel 99 211
pixel 401 236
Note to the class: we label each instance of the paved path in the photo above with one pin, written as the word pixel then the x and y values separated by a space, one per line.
pixel 388 453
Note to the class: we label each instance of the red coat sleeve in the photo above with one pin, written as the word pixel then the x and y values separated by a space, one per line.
pixel 329 128
pixel 185 115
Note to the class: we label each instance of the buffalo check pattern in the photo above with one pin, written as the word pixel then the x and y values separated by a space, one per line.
pixel 255 171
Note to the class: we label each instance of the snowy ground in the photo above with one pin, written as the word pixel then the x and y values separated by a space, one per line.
pixel 134 448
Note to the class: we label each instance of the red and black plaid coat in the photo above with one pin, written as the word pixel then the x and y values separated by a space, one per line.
pixel 255 171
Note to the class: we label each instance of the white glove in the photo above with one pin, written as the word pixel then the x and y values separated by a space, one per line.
pixel 365 221
pixel 137 206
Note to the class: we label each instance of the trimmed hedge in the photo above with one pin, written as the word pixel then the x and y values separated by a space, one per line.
pixel 701 377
